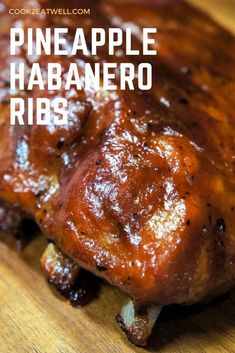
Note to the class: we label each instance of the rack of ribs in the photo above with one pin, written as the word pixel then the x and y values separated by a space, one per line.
pixel 139 187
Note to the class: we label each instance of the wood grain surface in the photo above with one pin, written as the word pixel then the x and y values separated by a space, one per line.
pixel 34 319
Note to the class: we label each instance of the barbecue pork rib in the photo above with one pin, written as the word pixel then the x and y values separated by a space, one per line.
pixel 139 187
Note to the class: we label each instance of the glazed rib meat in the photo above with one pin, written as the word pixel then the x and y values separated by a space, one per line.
pixel 139 187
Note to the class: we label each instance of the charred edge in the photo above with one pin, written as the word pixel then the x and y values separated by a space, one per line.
pixel 132 337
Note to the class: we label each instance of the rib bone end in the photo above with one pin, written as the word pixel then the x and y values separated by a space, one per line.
pixel 137 323
pixel 60 270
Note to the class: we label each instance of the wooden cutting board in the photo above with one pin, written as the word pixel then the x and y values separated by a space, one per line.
pixel 33 319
